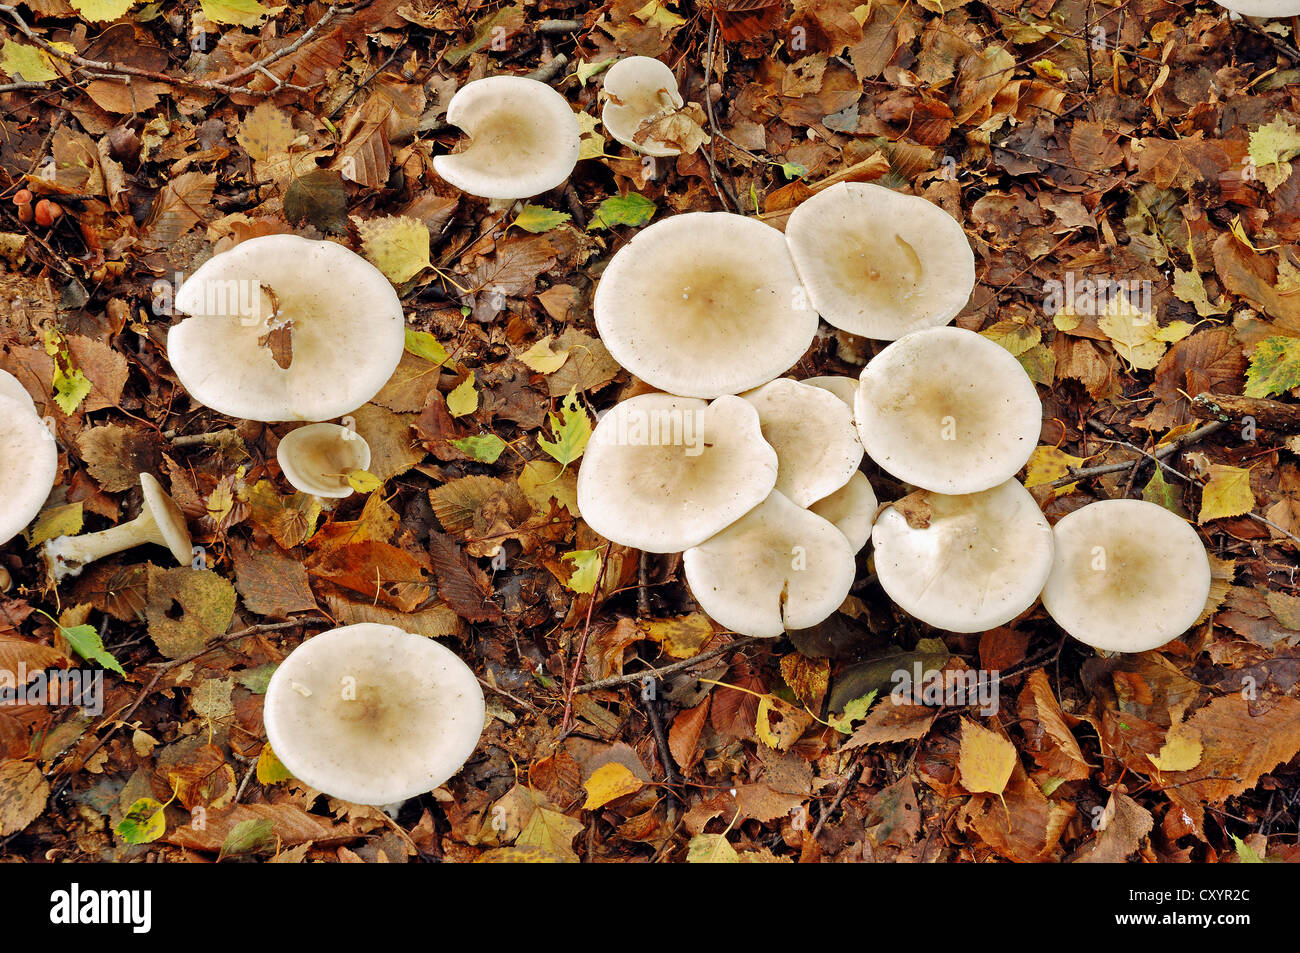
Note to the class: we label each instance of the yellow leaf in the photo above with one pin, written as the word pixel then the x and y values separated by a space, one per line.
pixel 56 521
pixel 266 131
pixel 238 12
pixel 608 783
pixel 270 769
pixel 1048 464
pixel 1134 333
pixel 786 731
pixel 101 11
pixel 682 637
pixel 542 359
pixel 711 849
pixel 655 13
pixel 552 832
pixel 26 63
pixel 398 246
pixel 986 761
pixel 464 399
pixel 1181 750
pixel 363 481
pixel 1227 493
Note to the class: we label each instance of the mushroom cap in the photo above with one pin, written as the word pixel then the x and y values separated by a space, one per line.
pixel 524 138
pixel 704 304
pixel 880 263
pixel 316 459
pixel 639 88
pixel 662 473
pixel 169 518
pixel 948 410
pixel 372 714
pixel 852 508
pixel 1262 8
pixel 1128 575
pixel 347 330
pixel 29 463
pixel 812 432
pixel 12 388
pixel 778 567
pixel 981 560
pixel 845 388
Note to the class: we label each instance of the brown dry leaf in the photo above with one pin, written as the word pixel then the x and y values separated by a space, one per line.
pixel 589 367
pixel 888 723
pixel 1124 824
pixel 186 608
pixel 23 793
pixel 271 584
pixel 178 207
pixel 393 449
pixel 117 455
pixel 807 678
pixel 1050 741
pixel 987 759
pixel 684 735
pixel 289 520
pixel 291 825
pixel 104 367
pixel 434 622
pixel 465 588
pixel 1179 163
pixel 378 571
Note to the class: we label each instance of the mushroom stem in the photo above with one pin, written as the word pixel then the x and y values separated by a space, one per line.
pixel 68 555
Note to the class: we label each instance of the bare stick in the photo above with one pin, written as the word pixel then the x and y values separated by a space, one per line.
pixel 658 673
pixel 1083 473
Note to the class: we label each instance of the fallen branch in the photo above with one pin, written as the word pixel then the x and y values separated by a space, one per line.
pixel 1160 453
pixel 1267 414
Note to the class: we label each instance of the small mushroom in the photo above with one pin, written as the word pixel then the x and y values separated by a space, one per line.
pixel 285 328
pixel 965 563
pixel 638 89
pixel 704 304
pixel 880 263
pixel 317 459
pixel 852 508
pixel 372 714
pixel 778 567
pixel 160 522
pixel 524 138
pixel 1128 575
pixel 662 473
pixel 29 463
pixel 948 410
pixel 812 432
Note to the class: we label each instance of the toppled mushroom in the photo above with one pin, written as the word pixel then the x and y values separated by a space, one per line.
pixel 662 473
pixel 948 410
pixel 778 567
pixel 964 563
pixel 812 432
pixel 704 304
pixel 880 263
pixel 160 522
pixel 1128 575
pixel 639 89
pixel 524 138
pixel 285 328
pixel 29 463
pixel 852 508
pixel 317 459
pixel 372 714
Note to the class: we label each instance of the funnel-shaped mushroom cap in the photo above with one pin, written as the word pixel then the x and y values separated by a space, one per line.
pixel 812 432
pixel 11 388
pixel 29 462
pixel 964 563
pixel 852 508
pixel 948 410
pixel 372 714
pixel 845 388
pixel 1263 8
pixel 164 512
pixel 778 567
pixel 317 458
pixel 704 304
pixel 343 320
pixel 639 88
pixel 879 263
pixel 662 473
pixel 1128 575
pixel 524 138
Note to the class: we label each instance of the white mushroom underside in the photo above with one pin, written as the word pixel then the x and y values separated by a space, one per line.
pixel 317 458
pixel 639 88
pixel 29 463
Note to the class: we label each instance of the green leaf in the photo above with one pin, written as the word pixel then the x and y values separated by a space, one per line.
pixel 425 345
pixel 85 641
pixel 71 387
pixel 586 571
pixel 571 430
pixel 237 12
pixel 144 822
pixel 794 170
pixel 250 836
pixel 464 399
pixel 1274 367
pixel 855 710
pixel 363 481
pixel 1163 493
pixel 256 679
pixel 535 219
pixel 631 209
pixel 485 448
pixel 1245 853
pixel 586 71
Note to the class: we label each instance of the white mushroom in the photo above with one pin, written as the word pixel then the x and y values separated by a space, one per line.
pixel 637 89
pixel 845 388
pixel 948 410
pixel 29 463
pixel 964 563
pixel 1128 575
pixel 317 459
pixel 852 508
pixel 372 714
pixel 160 522
pixel 524 138
pixel 1275 9
pixel 778 567
pixel 812 432
pixel 704 304
pixel 12 388
pixel 284 328
pixel 880 263
pixel 662 473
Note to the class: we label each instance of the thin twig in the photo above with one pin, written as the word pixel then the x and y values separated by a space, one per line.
pixel 851 775
pixel 657 673
pixel 582 643
pixel 1084 473
pixel 724 194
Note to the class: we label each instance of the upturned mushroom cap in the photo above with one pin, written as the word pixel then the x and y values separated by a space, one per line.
pixel 160 507
pixel 662 473
pixel 845 388
pixel 1262 8
pixel 29 463
pixel 948 410
pixel 639 88
pixel 343 319
pixel 524 138
pixel 372 714
pixel 812 432
pixel 852 508
pixel 964 563
pixel 316 459
pixel 1128 575
pixel 879 263
pixel 12 388
pixel 778 567
pixel 704 304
